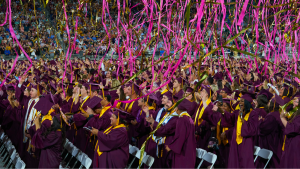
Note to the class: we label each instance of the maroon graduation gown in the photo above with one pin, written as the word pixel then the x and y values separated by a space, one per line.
pixel 204 129
pixel 80 138
pixel 241 156
pixel 30 161
pixel 261 113
pixel 192 108
pixel 151 145
pixel 168 131
pixel 51 147
pixel 183 145
pixel 114 147
pixel 12 126
pixel 142 127
pixel 270 132
pixel 131 116
pixel 290 155
pixel 179 94
pixel 101 124
pixel 3 105
pixel 213 119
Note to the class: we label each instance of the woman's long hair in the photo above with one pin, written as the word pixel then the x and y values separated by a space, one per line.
pixel 122 94
pixel 262 101
pixel 56 126
pixel 273 106
pixel 247 106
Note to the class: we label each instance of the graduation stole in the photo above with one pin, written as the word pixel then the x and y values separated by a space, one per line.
pixel 219 133
pixel 150 108
pixel 104 110
pixel 199 119
pixel 163 92
pixel 48 116
pixel 237 107
pixel 118 104
pixel 35 114
pixel 239 138
pixel 80 108
pixel 283 145
pixel 106 132
pixel 68 98
pixel 167 117
pixel 184 114
pixel 128 108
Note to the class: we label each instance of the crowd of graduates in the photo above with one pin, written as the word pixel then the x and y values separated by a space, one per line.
pixel 102 111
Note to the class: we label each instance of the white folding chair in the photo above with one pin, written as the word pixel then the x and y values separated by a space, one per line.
pixel 67 141
pixel 20 164
pixel 148 160
pixel 4 144
pixel 86 162
pixel 68 150
pixel 138 155
pixel 266 154
pixel 133 151
pixel 74 154
pixel 7 147
pixel 2 135
pixel 79 159
pixel 256 150
pixel 9 154
pixel 12 158
pixel 200 153
pixel 209 157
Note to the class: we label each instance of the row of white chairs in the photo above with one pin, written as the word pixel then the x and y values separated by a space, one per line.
pixel 212 158
pixel 8 153
pixel 72 157
pixel 136 153
pixel 262 153
pixel 149 160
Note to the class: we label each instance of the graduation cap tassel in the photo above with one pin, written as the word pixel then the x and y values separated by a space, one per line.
pixel 103 93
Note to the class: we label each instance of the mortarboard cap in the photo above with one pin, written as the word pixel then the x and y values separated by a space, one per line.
pixel 248 96
pixel 44 105
pixel 184 105
pixel 169 95
pixel 227 90
pixel 265 92
pixel 189 89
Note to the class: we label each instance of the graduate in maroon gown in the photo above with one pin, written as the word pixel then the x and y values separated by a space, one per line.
pixel 142 127
pixel 290 154
pixel 50 141
pixel 155 145
pixel 112 147
pixel 79 119
pixel 242 143
pixel 177 89
pixel 132 91
pixel 270 132
pixel 100 119
pixel 29 153
pixel 212 114
pixel 203 128
pixel 10 124
pixel 193 104
pixel 183 145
